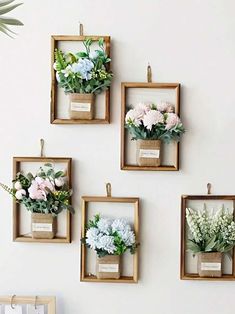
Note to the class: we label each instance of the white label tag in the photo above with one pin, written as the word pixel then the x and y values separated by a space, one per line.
pixel 108 268
pixel 80 106
pixel 41 227
pixel 149 153
pixel 17 309
pixel 40 309
pixel 211 266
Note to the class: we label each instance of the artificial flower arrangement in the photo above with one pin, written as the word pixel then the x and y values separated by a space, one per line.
pixel 109 239
pixel 45 195
pixel 150 125
pixel 82 76
pixel 209 236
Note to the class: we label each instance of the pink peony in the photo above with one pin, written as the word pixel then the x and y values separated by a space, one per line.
pixel 172 120
pixel 38 189
pixel 163 106
pixel 134 116
pixel 151 118
pixel 143 107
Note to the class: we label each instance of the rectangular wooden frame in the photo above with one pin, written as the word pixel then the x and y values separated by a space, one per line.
pixel 20 300
pixel 184 199
pixel 54 44
pixel 97 199
pixel 124 87
pixel 16 168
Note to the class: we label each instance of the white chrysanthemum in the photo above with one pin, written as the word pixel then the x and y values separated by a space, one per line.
pixel 104 225
pixel 18 185
pixel 120 225
pixel 92 237
pixel 127 236
pixel 172 120
pixel 163 106
pixel 143 107
pixel 134 116
pixel 151 118
pixel 106 243
pixel 20 193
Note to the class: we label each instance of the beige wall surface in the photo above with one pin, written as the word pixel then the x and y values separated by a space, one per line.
pixel 190 42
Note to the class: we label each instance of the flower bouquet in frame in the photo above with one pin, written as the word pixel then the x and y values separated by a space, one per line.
pixel 110 239
pixel 45 194
pixel 83 75
pixel 150 125
pixel 210 235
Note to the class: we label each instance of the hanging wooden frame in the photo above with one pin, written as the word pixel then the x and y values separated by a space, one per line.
pixel 184 201
pixel 84 276
pixel 17 236
pixel 50 302
pixel 55 40
pixel 149 85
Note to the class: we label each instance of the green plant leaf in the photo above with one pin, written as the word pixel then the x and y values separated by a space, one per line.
pixel 5 2
pixel 9 9
pixel 192 246
pixel 10 21
pixel 210 244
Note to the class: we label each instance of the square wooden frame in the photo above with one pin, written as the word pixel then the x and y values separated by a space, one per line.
pixel 99 199
pixel 124 87
pixel 183 274
pixel 20 300
pixel 16 223
pixel 54 44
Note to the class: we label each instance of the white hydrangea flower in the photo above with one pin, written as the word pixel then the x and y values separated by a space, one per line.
pixel 106 243
pixel 18 185
pixel 92 237
pixel 120 225
pixel 104 225
pixel 127 236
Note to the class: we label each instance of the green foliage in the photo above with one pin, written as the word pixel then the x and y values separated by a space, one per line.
pixel 5 8
pixel 75 77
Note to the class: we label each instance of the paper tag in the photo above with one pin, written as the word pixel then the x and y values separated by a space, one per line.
pixel 149 153
pixel 108 268
pixel 40 309
pixel 17 309
pixel 41 227
pixel 211 266
pixel 80 106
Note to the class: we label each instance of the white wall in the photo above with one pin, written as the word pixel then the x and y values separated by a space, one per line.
pixel 191 42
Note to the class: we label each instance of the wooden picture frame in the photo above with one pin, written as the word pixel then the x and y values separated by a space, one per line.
pixel 55 39
pixel 17 237
pixel 50 302
pixel 184 200
pixel 99 199
pixel 124 87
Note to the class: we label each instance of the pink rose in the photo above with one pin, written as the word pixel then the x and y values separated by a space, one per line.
pixel 172 120
pixel 153 117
